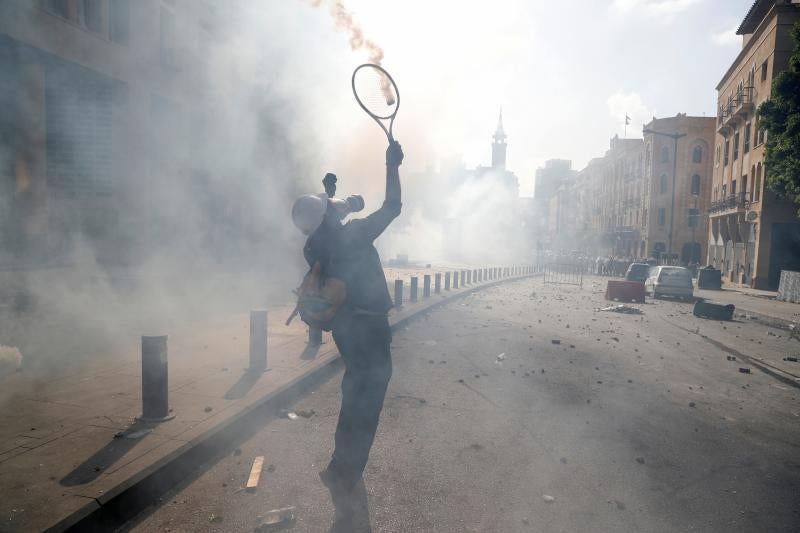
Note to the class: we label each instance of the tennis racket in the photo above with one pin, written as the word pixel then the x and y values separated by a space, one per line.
pixel 377 94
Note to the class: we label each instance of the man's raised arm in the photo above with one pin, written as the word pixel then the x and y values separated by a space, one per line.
pixel 373 225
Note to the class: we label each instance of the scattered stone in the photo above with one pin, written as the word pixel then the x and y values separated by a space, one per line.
pixel 555 341
pixel 548 499
pixel 691 404
pixel 640 460
pixel 208 409
pixel 790 359
pixel 237 452
pixel 563 460
pixel 744 370
pixel 730 357
pixel 306 413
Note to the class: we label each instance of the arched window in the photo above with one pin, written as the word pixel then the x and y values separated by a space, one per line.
pixel 696 185
pixel 664 154
pixel 697 154
pixel 663 186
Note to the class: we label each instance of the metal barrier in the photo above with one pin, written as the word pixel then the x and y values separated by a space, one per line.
pixel 563 274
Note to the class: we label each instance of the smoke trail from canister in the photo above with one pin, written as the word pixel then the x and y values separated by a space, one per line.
pixel 344 20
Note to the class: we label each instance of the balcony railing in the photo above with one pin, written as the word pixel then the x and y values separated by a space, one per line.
pixel 733 202
pixel 739 105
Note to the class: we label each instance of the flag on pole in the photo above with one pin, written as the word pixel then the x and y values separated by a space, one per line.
pixel 627 119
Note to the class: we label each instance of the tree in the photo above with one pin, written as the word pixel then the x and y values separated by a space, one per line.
pixel 780 116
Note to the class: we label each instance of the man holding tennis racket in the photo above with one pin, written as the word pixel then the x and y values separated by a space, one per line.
pixel 347 277
pixel 361 330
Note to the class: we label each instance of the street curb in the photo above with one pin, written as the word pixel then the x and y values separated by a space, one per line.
pixel 768 320
pixel 97 514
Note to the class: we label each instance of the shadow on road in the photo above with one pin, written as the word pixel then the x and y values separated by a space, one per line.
pixel 105 457
pixel 243 385
pixel 352 511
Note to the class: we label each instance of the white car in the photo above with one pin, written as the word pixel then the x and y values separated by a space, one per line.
pixel 670 281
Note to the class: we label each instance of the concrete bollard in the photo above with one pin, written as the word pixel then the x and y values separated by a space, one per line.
pixel 398 293
pixel 455 280
pixel 480 274
pixel 469 277
pixel 414 285
pixel 437 283
pixel 258 341
pixel 426 286
pixel 486 273
pixel 155 380
pixel 447 281
pixel 463 278
pixel 477 274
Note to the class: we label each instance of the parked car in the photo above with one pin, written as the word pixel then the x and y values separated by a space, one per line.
pixel 638 272
pixel 670 281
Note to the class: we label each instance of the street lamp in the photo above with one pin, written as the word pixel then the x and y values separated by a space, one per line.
pixel 674 137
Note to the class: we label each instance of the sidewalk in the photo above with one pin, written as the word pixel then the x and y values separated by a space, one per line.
pixel 761 304
pixel 59 458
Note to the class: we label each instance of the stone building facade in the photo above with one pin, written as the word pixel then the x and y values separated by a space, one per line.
pixel 91 93
pixel 753 235
pixel 676 220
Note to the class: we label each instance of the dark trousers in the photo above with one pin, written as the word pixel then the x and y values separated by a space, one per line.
pixel 364 343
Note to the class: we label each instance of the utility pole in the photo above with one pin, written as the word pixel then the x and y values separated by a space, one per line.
pixel 674 137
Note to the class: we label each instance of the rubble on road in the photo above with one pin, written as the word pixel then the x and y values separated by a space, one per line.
pixel 291 415
pixel 622 308
pixel 744 370
pixel 548 499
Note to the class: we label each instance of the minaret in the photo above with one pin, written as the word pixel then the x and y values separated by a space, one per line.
pixel 499 145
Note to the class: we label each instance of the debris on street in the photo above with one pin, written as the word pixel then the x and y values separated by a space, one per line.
pixel 790 359
pixel 133 434
pixel 622 308
pixel 306 413
pixel 744 370
pixel 255 473
pixel 291 415
pixel 548 499
pixel 555 341
pixel 276 519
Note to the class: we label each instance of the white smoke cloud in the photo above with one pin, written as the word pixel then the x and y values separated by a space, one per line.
pixel 727 37
pixel 654 7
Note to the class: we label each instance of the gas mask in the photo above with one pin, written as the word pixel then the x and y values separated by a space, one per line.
pixel 342 208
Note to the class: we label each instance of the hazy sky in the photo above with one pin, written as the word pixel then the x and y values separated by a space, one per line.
pixel 566 73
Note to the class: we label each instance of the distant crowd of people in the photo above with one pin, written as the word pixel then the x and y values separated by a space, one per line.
pixel 607 265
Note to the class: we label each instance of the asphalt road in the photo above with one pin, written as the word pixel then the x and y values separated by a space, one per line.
pixel 588 421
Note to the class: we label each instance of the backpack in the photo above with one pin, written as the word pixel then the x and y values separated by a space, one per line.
pixel 319 298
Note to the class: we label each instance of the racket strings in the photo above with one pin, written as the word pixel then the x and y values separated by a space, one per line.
pixel 376 92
